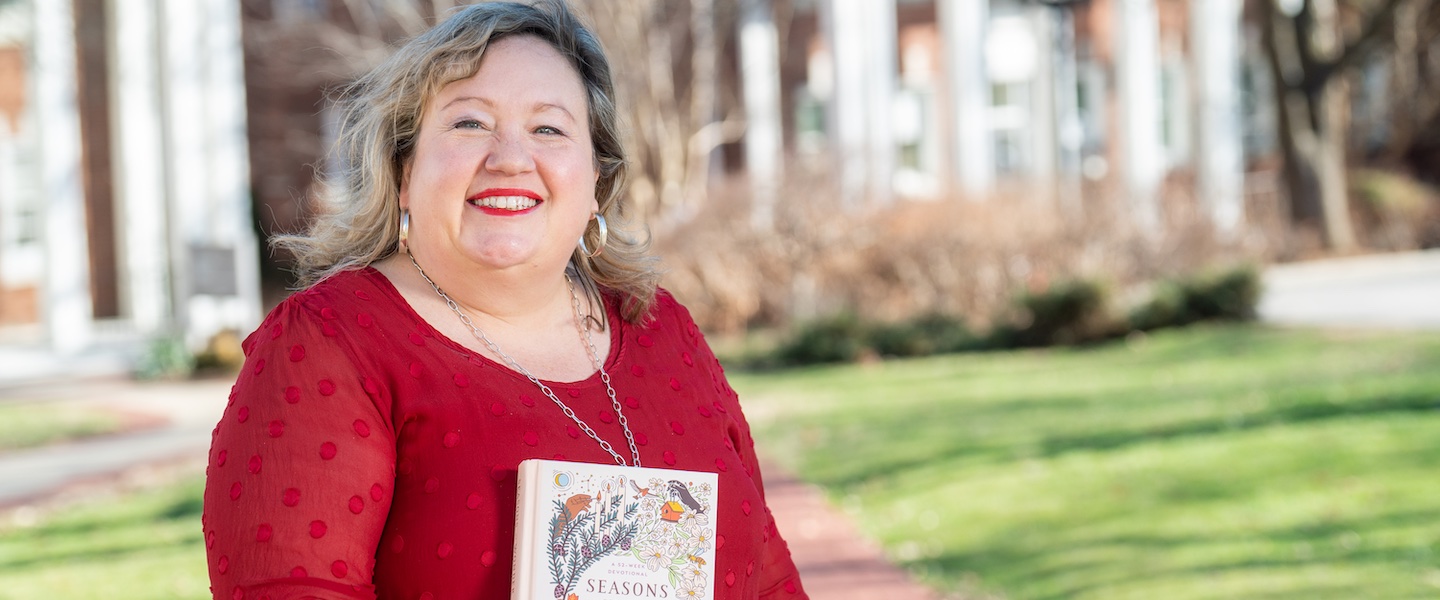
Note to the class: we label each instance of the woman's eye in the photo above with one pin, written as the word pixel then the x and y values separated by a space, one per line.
pixel 469 124
pixel 548 130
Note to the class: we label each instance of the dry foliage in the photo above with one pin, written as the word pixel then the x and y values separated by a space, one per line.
pixel 665 57
pixel 957 257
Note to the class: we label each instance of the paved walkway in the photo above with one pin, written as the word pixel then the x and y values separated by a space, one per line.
pixel 1392 291
pixel 835 561
pixel 185 413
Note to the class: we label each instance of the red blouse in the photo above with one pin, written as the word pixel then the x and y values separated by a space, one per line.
pixel 363 454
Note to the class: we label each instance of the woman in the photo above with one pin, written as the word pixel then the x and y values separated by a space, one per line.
pixel 453 327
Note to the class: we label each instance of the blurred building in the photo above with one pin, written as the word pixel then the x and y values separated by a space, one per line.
pixel 125 209
pixel 931 98
pixel 129 207
pixel 899 98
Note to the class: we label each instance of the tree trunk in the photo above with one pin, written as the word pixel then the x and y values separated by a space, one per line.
pixel 703 59
pixel 1296 136
pixel 1312 121
pixel 1330 106
pixel 1334 109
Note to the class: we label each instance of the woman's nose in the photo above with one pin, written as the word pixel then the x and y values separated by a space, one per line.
pixel 509 156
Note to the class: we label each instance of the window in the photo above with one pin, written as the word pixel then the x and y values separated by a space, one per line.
pixel 1174 111
pixel 1010 123
pixel 21 222
pixel 810 112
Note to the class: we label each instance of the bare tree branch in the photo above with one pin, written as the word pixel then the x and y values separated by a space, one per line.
pixel 1371 37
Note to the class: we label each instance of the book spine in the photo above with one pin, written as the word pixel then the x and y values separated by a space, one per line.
pixel 522 573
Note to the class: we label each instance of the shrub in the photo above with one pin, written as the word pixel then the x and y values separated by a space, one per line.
pixel 165 357
pixel 1165 308
pixel 1072 312
pixel 840 338
pixel 1066 313
pixel 1394 211
pixel 932 333
pixel 1228 295
pixel 845 338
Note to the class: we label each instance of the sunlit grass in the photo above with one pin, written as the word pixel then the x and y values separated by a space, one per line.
pixel 1217 462
pixel 25 425
pixel 144 545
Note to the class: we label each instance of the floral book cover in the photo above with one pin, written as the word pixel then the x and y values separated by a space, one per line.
pixel 607 532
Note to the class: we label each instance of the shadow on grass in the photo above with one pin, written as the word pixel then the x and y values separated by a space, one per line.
pixel 92 536
pixel 1308 412
pixel 1017 567
pixel 936 442
pixel 179 509
pixel 139 546
pixel 188 507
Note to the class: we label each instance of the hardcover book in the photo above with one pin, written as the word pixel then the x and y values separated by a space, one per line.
pixel 608 532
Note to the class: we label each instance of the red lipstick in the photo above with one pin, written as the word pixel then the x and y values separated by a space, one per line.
pixel 505 202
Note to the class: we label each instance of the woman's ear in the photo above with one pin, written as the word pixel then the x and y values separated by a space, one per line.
pixel 594 201
pixel 405 186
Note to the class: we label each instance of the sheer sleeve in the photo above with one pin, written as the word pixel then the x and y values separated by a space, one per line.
pixel 301 467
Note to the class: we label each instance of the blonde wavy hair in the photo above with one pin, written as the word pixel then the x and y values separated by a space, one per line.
pixel 360 220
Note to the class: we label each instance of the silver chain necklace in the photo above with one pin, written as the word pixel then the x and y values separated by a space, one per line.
pixel 594 358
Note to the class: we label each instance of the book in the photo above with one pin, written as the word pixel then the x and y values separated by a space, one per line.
pixel 609 532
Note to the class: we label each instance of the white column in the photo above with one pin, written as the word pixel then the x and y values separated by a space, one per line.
pixel 67 307
pixel 845 34
pixel 208 169
pixel 139 155
pixel 1137 68
pixel 1043 130
pixel 760 67
pixel 1070 131
pixel 881 50
pixel 1219 154
pixel 181 46
pixel 963 25
pixel 229 168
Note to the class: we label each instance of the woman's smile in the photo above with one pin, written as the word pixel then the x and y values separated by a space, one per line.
pixel 505 202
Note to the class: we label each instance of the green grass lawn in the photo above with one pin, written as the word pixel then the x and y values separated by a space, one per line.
pixel 144 545
pixel 1212 462
pixel 24 425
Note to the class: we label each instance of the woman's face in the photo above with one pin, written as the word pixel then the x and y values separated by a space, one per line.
pixel 503 175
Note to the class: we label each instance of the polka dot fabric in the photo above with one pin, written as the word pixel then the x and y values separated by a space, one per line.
pixel 365 455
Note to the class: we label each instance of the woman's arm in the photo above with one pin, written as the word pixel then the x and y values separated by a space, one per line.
pixel 301 467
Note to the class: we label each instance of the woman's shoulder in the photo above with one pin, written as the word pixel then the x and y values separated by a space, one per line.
pixel 347 291
pixel 664 300
pixel 667 313
pixel 322 305
pixel 351 286
pixel 664 309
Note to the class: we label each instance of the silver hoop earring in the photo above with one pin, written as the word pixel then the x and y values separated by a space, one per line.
pixel 405 231
pixel 604 237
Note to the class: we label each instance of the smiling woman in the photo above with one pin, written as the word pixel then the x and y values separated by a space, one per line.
pixel 473 300
pixel 503 176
